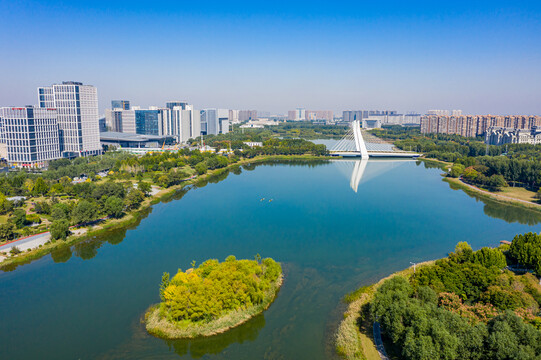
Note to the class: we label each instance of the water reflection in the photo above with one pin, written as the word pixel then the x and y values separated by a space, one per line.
pixel 142 345
pixel 355 169
pixel 508 212
pixel 199 347
pixel 61 254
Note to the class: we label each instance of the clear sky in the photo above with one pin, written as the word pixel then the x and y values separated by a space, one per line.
pixel 481 57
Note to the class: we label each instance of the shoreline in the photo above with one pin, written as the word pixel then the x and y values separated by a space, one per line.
pixel 471 189
pixel 502 199
pixel 133 217
pixel 350 341
pixel 164 329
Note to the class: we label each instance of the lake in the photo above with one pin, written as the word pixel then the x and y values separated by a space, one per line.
pixel 334 226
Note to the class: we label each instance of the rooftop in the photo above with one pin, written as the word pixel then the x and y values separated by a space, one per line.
pixel 118 136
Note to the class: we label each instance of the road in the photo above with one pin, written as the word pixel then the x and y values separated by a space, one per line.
pixel 29 242
pixel 379 342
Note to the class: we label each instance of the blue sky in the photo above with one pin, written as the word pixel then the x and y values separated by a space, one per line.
pixel 481 57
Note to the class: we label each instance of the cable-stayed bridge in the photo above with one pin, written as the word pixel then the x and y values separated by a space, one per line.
pixel 354 145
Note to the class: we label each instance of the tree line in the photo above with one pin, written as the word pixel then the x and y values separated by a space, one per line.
pixel 466 306
pixel 110 185
pixel 491 166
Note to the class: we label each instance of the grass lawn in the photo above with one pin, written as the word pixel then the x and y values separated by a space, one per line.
pixel 3 219
pixel 519 193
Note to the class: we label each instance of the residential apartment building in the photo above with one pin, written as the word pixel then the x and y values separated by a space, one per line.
pixel 77 115
pixel 474 125
pixel 30 135
pixel 313 115
pixel 301 114
pixel 297 115
pixel 246 115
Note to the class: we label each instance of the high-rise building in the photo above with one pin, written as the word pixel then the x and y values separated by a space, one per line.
pixel 119 120
pixel 474 125
pixel 313 115
pixel 171 104
pixel 245 115
pixel 298 114
pixel 186 123
pixel 438 112
pixel 223 121
pixel 234 116
pixel 214 121
pixel 149 122
pixel 120 104
pixel 77 115
pixel 31 135
pixel 103 125
pixel 352 115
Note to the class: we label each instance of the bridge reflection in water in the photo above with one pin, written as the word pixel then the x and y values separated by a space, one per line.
pixel 355 169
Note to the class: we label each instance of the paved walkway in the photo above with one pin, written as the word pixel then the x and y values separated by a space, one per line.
pixel 498 195
pixel 29 242
pixel 379 342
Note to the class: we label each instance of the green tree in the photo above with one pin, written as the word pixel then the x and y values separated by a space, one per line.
pixel 114 206
pixel 144 187
pixel 60 211
pixel 456 170
pixel 19 218
pixel 201 168
pixel 134 198
pixel 489 257
pixel 463 252
pixel 526 249
pixel 59 229
pixel 84 212
pixel 6 232
pixel 40 187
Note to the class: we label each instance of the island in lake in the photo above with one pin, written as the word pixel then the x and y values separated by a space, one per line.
pixel 214 297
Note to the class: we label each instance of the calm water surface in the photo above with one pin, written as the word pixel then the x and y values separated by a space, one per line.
pixel 334 226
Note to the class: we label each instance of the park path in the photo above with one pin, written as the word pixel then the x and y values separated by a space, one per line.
pixel 379 342
pixel 498 195
pixel 23 244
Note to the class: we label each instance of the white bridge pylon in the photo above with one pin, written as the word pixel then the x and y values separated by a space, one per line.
pixel 352 144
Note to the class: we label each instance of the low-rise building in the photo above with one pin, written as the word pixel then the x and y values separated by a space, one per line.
pixel 501 136
pixel 124 140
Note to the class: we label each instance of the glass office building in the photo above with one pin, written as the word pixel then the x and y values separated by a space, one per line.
pixel 147 122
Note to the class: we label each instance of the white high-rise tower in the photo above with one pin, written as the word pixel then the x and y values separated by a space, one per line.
pixel 77 111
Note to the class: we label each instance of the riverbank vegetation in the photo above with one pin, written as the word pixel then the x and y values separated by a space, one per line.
pixel 213 297
pixel 469 305
pixel 285 130
pixel 86 191
pixel 489 167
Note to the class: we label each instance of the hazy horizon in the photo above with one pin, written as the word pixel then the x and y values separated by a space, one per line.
pixel 481 58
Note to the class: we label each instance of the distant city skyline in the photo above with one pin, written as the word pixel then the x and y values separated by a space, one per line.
pixel 482 58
